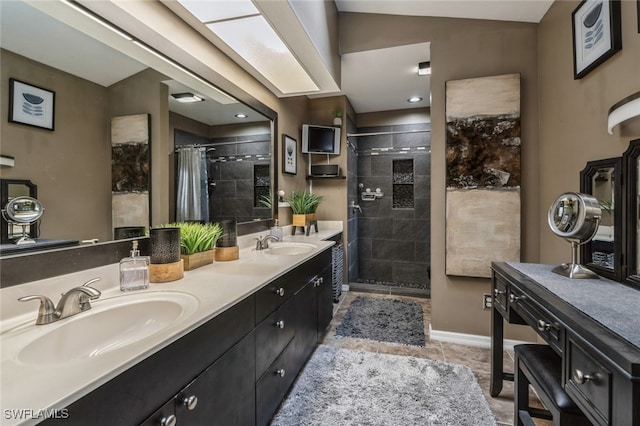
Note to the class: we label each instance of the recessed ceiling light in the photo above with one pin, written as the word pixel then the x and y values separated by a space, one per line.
pixel 241 115
pixel 424 68
pixel 414 99
pixel 187 97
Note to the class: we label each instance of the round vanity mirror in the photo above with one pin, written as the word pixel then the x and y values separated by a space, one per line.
pixel 575 217
pixel 23 211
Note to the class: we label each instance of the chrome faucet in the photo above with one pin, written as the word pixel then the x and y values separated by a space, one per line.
pixel 263 242
pixel 72 302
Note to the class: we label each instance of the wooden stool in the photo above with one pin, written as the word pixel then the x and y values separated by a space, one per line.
pixel 540 367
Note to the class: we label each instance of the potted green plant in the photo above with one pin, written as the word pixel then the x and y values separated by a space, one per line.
pixel 304 205
pixel 197 242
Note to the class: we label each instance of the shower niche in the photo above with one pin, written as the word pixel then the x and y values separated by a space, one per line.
pixel 403 183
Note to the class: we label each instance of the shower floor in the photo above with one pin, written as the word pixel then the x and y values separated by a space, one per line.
pixel 387 287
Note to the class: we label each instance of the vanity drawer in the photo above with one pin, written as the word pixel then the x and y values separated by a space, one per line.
pixel 546 324
pixel 588 382
pixel 274 384
pixel 273 335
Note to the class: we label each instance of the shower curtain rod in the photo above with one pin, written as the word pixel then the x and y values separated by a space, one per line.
pixel 213 145
pixel 387 133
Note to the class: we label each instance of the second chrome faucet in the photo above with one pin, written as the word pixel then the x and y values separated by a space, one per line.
pixel 72 302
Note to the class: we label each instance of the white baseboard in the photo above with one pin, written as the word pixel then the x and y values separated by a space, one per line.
pixel 469 339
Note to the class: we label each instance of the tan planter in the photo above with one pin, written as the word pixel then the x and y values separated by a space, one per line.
pixel 196 260
pixel 305 221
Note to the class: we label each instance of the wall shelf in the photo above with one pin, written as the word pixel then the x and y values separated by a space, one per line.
pixel 310 177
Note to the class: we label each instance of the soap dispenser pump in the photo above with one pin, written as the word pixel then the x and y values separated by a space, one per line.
pixel 134 270
pixel 276 230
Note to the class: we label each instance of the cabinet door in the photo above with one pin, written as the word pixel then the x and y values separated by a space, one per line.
pixel 324 291
pixel 224 394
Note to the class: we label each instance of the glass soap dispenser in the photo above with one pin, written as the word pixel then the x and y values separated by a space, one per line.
pixel 134 271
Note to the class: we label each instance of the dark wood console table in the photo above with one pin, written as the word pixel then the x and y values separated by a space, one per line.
pixel 594 325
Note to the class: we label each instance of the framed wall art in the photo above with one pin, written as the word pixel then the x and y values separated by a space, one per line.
pixel 31 105
pixel 289 155
pixel 483 147
pixel 596 34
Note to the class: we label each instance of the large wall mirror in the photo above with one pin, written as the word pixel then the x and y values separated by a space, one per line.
pixel 93 83
pixel 631 164
pixel 603 254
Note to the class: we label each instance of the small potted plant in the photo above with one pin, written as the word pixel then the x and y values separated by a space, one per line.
pixel 197 242
pixel 304 205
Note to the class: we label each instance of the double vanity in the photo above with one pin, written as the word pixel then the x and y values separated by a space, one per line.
pixel 221 346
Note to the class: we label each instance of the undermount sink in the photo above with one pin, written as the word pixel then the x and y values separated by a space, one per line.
pixel 110 325
pixel 289 248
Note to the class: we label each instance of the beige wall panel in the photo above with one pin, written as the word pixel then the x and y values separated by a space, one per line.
pixel 498 95
pixel 482 226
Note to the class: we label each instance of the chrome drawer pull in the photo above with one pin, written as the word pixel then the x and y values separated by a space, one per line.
pixel 580 378
pixel 280 292
pixel 280 372
pixel 280 324
pixel 513 298
pixel 168 421
pixel 497 292
pixel 543 326
pixel 190 402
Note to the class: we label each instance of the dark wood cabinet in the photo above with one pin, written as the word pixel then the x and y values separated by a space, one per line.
pixel 600 362
pixel 233 370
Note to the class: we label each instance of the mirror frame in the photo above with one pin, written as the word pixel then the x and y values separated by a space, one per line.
pixel 631 170
pixel 18 269
pixel 586 186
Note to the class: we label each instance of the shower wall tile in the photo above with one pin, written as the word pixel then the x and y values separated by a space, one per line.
pixel 244 189
pixel 247 148
pixel 378 270
pixel 374 228
pixel 223 189
pixel 394 243
pixel 232 170
pixel 381 165
pixel 394 250
pixel 410 272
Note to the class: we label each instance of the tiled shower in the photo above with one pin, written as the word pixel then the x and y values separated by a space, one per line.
pixel 389 240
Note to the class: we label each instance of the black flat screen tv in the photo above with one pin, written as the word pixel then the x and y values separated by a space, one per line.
pixel 320 139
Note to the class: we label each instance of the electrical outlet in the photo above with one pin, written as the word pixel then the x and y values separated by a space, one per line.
pixel 487 300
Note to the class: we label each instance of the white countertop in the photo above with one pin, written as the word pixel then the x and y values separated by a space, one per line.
pixel 38 386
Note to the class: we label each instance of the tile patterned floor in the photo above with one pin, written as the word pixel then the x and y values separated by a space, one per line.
pixel 478 359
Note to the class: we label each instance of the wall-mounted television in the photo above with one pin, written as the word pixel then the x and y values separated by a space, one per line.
pixel 320 139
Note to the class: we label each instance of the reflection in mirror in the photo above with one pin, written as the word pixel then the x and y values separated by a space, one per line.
pixel 93 83
pixel 604 253
pixel 631 164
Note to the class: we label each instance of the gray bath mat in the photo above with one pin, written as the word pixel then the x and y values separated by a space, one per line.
pixel 345 387
pixel 386 320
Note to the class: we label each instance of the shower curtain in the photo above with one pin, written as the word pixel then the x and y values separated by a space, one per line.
pixel 192 201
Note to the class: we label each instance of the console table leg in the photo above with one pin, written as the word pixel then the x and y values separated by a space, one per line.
pixel 497 346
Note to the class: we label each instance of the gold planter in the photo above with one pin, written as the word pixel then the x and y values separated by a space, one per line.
pixel 196 260
pixel 304 221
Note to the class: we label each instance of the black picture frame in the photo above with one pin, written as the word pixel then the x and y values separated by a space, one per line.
pixel 31 105
pixel 597 34
pixel 638 12
pixel 289 155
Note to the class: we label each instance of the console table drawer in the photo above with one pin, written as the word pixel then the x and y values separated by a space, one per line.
pixel 546 324
pixel 588 382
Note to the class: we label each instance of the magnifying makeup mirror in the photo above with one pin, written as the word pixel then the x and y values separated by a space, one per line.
pixel 575 217
pixel 23 211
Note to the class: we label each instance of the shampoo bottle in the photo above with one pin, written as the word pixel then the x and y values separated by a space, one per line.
pixel 134 271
